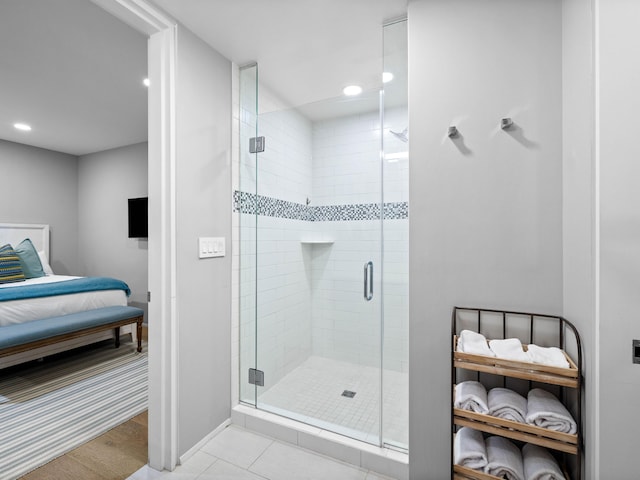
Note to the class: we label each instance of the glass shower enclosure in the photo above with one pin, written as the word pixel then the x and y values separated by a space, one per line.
pixel 323 204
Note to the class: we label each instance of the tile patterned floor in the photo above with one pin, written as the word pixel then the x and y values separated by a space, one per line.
pixel 312 393
pixel 238 454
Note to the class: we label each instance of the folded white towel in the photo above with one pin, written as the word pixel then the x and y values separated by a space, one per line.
pixel 507 404
pixel 509 349
pixel 551 356
pixel 471 395
pixel 469 449
pixel 474 343
pixel 546 411
pixel 504 459
pixel 539 464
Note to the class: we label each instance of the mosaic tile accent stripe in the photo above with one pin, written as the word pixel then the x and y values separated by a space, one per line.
pixel 251 203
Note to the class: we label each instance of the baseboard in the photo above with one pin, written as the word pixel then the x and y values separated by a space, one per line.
pixel 189 453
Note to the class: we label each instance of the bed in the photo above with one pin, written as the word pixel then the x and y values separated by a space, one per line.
pixel 65 301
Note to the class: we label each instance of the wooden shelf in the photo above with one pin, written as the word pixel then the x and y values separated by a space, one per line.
pixel 565 377
pixel 524 432
pixel 465 473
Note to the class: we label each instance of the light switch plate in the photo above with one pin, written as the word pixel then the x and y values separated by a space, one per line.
pixel 209 247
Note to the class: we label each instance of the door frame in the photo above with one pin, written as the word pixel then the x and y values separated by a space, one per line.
pixel 161 31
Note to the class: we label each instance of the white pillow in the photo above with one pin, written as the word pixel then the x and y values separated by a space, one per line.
pixel 45 263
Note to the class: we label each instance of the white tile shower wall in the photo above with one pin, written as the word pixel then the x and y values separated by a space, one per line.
pixel 396 243
pixel 345 326
pixel 346 159
pixel 284 168
pixel 283 292
pixel 284 298
pixel 396 156
pixel 346 170
pixel 246 305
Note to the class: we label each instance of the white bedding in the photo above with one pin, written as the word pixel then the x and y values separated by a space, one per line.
pixel 20 311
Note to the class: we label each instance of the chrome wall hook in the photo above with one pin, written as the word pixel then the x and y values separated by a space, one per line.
pixel 452 132
pixel 506 123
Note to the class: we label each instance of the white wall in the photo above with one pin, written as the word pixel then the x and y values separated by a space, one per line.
pixel 486 217
pixel 203 208
pixel 578 201
pixel 41 186
pixel 84 200
pixel 106 180
pixel 618 151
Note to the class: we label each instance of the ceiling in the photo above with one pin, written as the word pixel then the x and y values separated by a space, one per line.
pixel 306 50
pixel 74 72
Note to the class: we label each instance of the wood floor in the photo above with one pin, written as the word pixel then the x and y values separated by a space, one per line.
pixel 114 455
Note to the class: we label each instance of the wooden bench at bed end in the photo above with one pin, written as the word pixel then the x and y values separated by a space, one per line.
pixel 39 333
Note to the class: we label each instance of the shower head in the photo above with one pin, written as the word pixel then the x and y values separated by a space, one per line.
pixel 402 136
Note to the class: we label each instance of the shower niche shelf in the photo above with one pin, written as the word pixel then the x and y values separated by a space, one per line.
pixel 316 242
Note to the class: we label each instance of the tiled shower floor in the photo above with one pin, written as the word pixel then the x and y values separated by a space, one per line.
pixel 312 393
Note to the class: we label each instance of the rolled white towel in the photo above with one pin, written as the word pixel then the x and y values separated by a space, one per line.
pixel 546 411
pixel 474 343
pixel 551 356
pixel 469 449
pixel 471 395
pixel 509 349
pixel 504 459
pixel 507 404
pixel 539 464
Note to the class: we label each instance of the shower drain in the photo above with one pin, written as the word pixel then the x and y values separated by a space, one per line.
pixel 348 394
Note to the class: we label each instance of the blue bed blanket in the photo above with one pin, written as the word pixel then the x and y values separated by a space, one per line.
pixel 75 285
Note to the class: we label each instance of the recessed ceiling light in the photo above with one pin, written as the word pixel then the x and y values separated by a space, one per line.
pixel 146 82
pixel 387 77
pixel 22 126
pixel 352 90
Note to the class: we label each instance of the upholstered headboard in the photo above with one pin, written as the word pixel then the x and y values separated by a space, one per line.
pixel 14 233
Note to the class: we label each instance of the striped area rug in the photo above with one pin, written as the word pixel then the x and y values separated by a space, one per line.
pixel 51 408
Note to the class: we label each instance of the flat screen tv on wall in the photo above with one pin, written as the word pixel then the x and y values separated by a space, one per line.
pixel 138 221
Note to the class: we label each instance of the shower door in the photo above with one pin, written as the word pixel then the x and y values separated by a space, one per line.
pixel 311 299
pixel 312 246
pixel 319 264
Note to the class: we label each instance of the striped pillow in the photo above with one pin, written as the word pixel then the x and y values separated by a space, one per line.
pixel 10 268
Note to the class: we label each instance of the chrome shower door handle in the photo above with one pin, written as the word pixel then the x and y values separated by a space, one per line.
pixel 368 281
